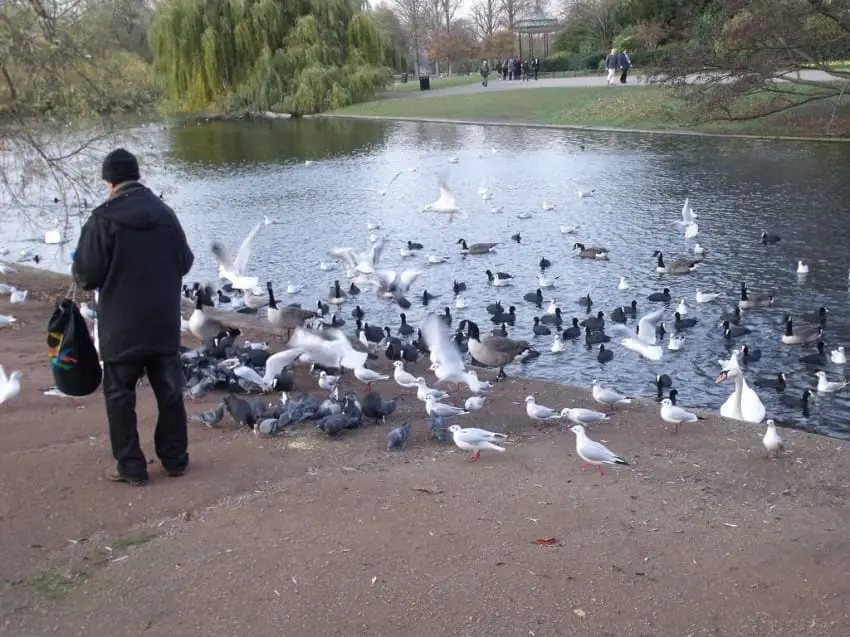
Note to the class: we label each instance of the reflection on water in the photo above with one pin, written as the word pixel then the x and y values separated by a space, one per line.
pixel 221 177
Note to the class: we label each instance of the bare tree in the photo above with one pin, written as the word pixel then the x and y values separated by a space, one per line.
pixel 513 10
pixel 758 58
pixel 487 17
pixel 412 15
pixel 595 17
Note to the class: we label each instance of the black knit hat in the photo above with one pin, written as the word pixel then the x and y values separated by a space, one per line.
pixel 119 166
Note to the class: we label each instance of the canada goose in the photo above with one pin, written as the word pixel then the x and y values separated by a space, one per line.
pixel 816 317
pixel 495 351
pixel 476 248
pixel 336 295
pixel 499 279
pixel 591 252
pixel 801 335
pixel 585 301
pixel 202 325
pixel 679 266
pixel 799 403
pixel 404 329
pixel 749 301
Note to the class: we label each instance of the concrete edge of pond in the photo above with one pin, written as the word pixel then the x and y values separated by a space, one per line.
pixel 578 127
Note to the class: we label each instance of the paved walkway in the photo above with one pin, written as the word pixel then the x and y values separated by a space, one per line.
pixel 556 82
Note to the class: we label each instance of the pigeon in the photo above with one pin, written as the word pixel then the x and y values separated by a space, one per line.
pixel 210 418
pixel 374 407
pixel 268 427
pixel 594 453
pixel 474 439
pixel 397 438
pixel 437 427
pixel 240 410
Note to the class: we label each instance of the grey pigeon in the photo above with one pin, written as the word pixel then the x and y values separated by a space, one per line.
pixel 375 407
pixel 240 410
pixel 201 389
pixel 267 427
pixel 397 438
pixel 209 418
pixel 437 427
pixel 335 423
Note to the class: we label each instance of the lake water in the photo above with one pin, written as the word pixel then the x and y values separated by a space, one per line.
pixel 221 177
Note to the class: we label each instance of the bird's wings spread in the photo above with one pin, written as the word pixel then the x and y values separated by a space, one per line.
pixel 646 326
pixel 407 277
pixel 437 337
pixel 3 378
pixel 375 251
pixel 345 254
pixel 246 373
pixel 241 261
pixel 276 363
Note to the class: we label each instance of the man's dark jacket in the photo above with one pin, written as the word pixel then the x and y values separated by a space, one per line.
pixel 134 249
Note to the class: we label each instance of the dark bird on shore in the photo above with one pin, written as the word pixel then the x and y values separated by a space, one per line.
pixel 397 438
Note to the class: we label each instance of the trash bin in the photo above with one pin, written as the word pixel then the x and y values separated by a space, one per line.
pixel 404 78
pixel 424 82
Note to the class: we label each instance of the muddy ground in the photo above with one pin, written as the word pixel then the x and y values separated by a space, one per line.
pixel 305 535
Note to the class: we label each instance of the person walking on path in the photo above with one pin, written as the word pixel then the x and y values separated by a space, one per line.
pixel 133 249
pixel 535 67
pixel 611 62
pixel 485 71
pixel 625 63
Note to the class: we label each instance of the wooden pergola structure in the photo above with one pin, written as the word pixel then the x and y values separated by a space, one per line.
pixel 536 28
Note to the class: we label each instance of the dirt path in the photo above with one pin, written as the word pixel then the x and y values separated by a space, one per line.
pixel 303 535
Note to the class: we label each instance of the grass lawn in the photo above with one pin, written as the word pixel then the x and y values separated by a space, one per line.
pixel 436 83
pixel 640 107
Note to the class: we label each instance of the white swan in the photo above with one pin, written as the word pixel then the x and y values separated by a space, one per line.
pixel 744 403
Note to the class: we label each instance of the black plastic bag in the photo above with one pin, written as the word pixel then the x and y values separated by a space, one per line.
pixel 73 357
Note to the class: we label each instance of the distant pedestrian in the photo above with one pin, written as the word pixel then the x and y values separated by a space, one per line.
pixel 611 62
pixel 511 68
pixel 625 64
pixel 526 68
pixel 485 72
pixel 505 70
pixel 535 67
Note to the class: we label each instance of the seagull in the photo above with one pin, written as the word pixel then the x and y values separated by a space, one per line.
pixel 828 387
pixel 474 439
pixel 772 441
pixel 676 415
pixel 581 416
pixel 837 356
pixel 7 319
pixel 10 386
pixel 688 215
pixel 539 412
pixel 608 397
pixel 677 341
pixel 402 377
pixel 382 192
pixel 362 262
pixel 234 271
pixel 565 229
pixel 584 194
pixel 327 382
pixel 474 403
pixel 434 408
pixel 802 268
pixel 594 453
pixel 17 296
pixel 423 391
pixel 643 340
pixel 368 376
pixel 706 297
pixel 445 203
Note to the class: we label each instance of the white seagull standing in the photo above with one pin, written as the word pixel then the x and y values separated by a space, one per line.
pixel 368 376
pixel 676 415
pixel 594 453
pixel 608 397
pixel 402 377
pixel 474 440
pixel 539 412
pixel 581 416
pixel 434 408
pixel 772 441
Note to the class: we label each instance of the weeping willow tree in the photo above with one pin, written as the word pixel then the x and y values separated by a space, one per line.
pixel 300 56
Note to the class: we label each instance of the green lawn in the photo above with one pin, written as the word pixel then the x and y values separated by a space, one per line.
pixel 638 107
pixel 436 83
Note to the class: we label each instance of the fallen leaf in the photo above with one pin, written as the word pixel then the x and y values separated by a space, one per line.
pixel 579 612
pixel 430 490
pixel 549 541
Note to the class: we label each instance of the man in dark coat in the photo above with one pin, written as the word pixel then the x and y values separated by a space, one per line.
pixel 133 249
pixel 625 63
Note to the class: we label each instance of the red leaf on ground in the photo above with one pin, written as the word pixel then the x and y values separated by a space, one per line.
pixel 547 540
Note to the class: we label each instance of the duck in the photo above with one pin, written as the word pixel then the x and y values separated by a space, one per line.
pixel 553 319
pixel 446 316
pixel 535 297
pixel 623 284
pixel 818 317
pixel 591 252
pixel 540 330
pixel 802 268
pixel 618 315
pixel 660 296
pixel 544 263
pixel 733 331
pixel 772 382
pixel 751 301
pixel 499 279
pixel 706 297
pixel 604 355
pixel 750 355
pixel 357 312
pixel 744 404
pixel 802 335
pixel 353 290
pixel 476 248
pixel 508 317
pixel 683 323
pixel 679 266
pixel 427 297
pixel 770 238
pixel 818 358
pixel 676 342
pixel 682 308
pixel 494 351
pixel 837 356
pixel 404 329
pixel 594 338
pixel 828 387
pixel 595 322
pixel 336 295
pixel 573 331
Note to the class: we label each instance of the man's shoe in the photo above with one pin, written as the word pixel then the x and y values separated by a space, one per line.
pixel 113 476
pixel 173 473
